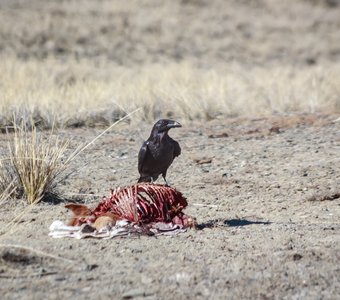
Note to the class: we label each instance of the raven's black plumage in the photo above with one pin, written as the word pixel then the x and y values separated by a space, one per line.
pixel 158 152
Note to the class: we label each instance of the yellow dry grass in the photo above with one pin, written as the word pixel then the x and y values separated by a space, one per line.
pixel 7 192
pixel 36 162
pixel 76 91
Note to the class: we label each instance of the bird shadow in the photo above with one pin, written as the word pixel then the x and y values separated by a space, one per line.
pixel 53 198
pixel 230 223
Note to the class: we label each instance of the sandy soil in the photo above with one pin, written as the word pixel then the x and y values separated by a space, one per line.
pixel 266 199
pixel 265 192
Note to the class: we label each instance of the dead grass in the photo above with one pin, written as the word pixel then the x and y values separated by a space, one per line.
pixel 35 162
pixel 83 63
pixel 205 33
pixel 79 93
pixel 6 192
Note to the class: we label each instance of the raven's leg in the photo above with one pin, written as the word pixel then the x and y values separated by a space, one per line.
pixel 164 175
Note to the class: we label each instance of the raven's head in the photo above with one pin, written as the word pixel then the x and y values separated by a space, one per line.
pixel 164 125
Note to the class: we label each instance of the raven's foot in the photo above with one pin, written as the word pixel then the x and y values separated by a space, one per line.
pixel 166 183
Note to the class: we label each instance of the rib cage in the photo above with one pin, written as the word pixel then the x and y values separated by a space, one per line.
pixel 144 203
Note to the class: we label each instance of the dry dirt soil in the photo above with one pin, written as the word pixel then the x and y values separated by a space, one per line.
pixel 265 193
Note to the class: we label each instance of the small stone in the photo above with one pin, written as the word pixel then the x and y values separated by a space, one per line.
pixel 134 293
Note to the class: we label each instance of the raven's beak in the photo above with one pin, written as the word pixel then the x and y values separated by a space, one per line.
pixel 173 124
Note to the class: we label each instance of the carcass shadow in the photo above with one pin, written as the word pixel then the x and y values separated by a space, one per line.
pixel 230 223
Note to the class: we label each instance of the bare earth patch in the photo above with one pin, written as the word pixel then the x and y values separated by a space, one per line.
pixel 249 186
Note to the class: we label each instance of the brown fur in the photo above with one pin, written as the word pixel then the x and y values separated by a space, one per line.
pixel 104 221
pixel 79 211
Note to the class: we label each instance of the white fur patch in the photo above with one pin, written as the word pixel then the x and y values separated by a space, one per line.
pixel 58 229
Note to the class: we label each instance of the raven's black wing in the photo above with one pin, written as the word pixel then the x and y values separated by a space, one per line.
pixel 177 148
pixel 142 155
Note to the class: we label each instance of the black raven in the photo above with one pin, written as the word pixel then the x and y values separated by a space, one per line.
pixel 158 152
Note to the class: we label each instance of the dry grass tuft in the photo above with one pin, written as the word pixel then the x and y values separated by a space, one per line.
pixel 36 162
pixel 7 180
pixel 6 192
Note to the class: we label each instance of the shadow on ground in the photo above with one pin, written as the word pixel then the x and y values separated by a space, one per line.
pixel 53 198
pixel 230 223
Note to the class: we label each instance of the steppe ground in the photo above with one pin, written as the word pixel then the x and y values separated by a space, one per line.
pixel 262 183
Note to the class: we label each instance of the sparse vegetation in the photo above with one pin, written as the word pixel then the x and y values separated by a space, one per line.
pixel 6 192
pixel 33 165
pixel 42 90
pixel 87 64
pixel 36 162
